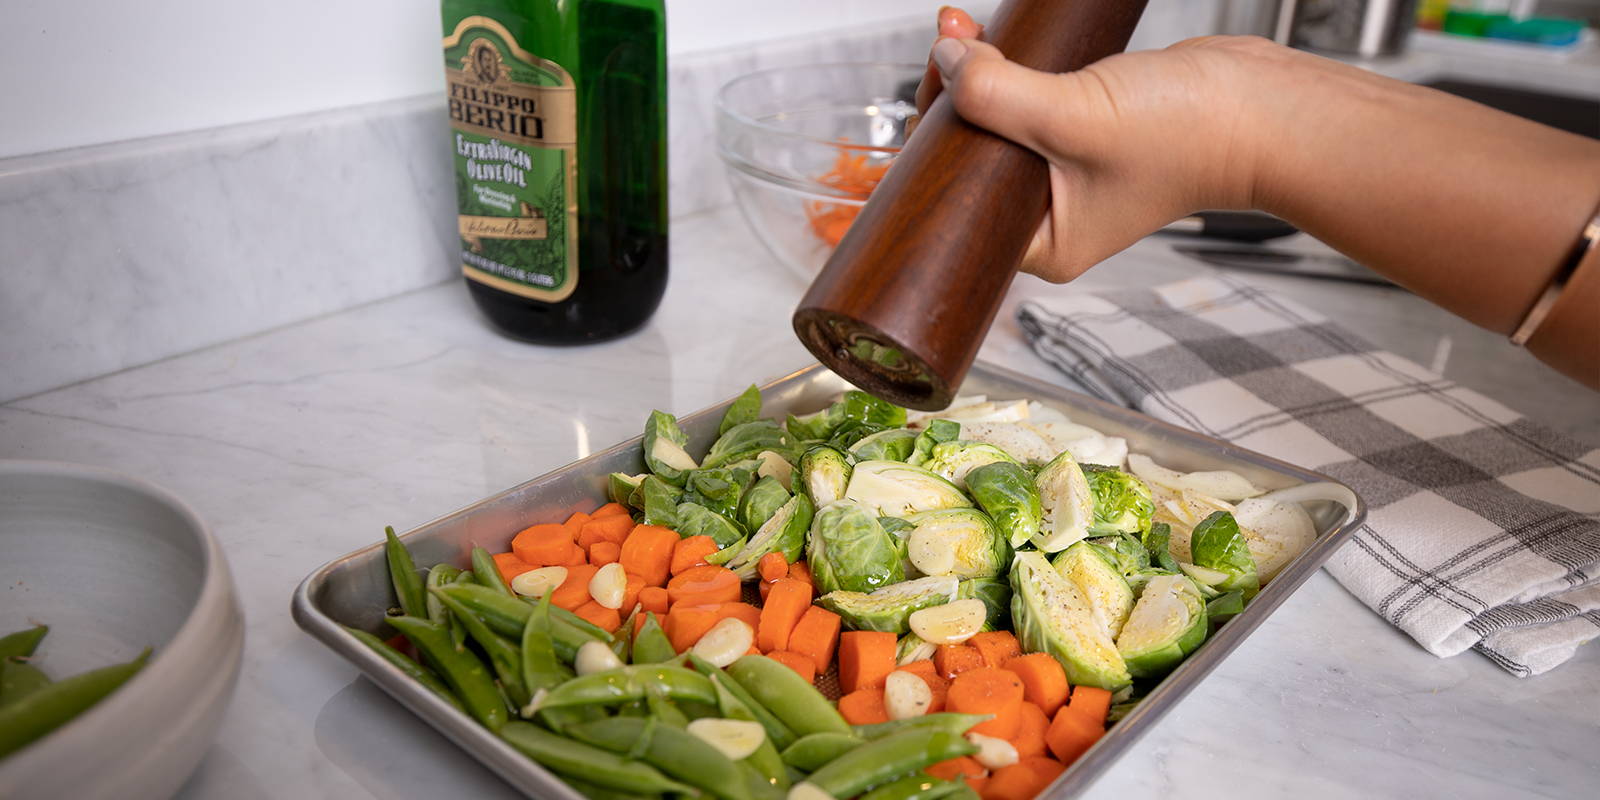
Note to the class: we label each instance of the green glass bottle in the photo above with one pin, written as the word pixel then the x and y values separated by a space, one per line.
pixel 558 116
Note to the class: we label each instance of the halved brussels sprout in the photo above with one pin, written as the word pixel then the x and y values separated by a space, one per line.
pixel 1167 623
pixel 852 432
pixel 1224 607
pixel 853 406
pixel 953 460
pixel 697 520
pixel 1067 502
pixel 957 541
pixel 911 648
pixel 1122 503
pixel 1007 493
pixel 996 596
pixel 659 500
pixel 824 474
pixel 784 532
pixel 1125 551
pixel 1217 543
pixel 663 448
pixel 937 432
pixel 1157 541
pixel 1138 580
pixel 745 408
pixel 621 486
pixel 760 502
pixel 728 552
pixel 848 550
pixel 747 440
pixel 1050 615
pixel 718 489
pixel 887 608
pixel 1100 582
pixel 894 444
pixel 895 489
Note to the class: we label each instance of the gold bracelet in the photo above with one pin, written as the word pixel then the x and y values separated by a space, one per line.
pixel 1552 292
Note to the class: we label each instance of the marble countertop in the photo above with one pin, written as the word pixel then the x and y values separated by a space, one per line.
pixel 298 445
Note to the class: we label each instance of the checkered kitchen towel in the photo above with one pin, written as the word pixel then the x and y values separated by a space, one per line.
pixel 1483 528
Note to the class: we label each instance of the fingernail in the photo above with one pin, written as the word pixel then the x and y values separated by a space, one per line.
pixel 947 53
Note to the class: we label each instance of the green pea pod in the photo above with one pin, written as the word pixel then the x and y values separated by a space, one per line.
pixel 628 684
pixel 508 615
pixel 675 752
pixel 916 786
pixel 438 575
pixel 787 695
pixel 458 634
pixel 403 574
pixel 416 671
pixel 22 643
pixel 736 703
pixel 766 761
pixel 887 759
pixel 588 763
pixel 664 711
pixel 759 785
pixel 962 792
pixel 596 792
pixel 695 711
pixel 944 720
pixel 540 669
pixel 52 706
pixel 468 676
pixel 487 573
pixel 18 679
pixel 813 750
pixel 505 657
pixel 652 646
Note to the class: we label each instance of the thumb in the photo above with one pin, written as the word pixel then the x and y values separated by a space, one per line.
pixel 1018 103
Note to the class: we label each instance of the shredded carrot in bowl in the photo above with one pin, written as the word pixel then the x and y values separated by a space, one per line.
pixel 852 174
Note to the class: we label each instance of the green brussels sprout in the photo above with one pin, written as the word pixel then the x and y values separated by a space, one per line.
pixel 784 532
pixel 663 448
pixel 727 552
pixel 895 489
pixel 1100 582
pixel 851 433
pixel 1007 493
pixel 824 474
pixel 996 596
pixel 1050 615
pixel 718 489
pixel 893 444
pixel 912 647
pixel 1122 503
pixel 1067 502
pixel 897 527
pixel 1125 551
pixel 847 549
pixel 938 431
pixel 760 502
pixel 745 408
pixel 697 520
pixel 1167 623
pixel 888 608
pixel 957 541
pixel 1121 710
pixel 621 486
pixel 1137 580
pixel 854 406
pixel 1224 607
pixel 1157 542
pixel 747 440
pixel 659 500
pixel 953 460
pixel 1217 543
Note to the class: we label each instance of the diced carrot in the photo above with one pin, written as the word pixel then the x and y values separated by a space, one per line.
pixel 1044 682
pixel 1029 739
pixel 578 558
pixel 923 668
pixel 603 617
pixel 987 690
pixel 800 572
pixel 647 552
pixel 685 625
pixel 1071 734
pixel 574 524
pixel 797 662
pixel 1092 703
pixel 692 552
pixel 956 768
pixel 604 552
pixel 609 509
pixel 765 588
pixel 782 610
pixel 574 591
pixel 614 528
pixel 744 612
pixel 704 585
pixel 816 635
pixel 865 659
pixel 864 706
pixel 654 598
pixel 953 659
pixel 543 545
pixel 772 566
pixel 510 566
pixel 1022 780
pixel 630 593
pixel 977 784
pixel 996 647
pixel 940 688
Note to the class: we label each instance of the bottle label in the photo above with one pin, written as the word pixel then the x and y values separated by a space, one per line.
pixel 514 130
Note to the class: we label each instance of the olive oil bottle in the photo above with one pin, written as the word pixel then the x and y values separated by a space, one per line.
pixel 558 114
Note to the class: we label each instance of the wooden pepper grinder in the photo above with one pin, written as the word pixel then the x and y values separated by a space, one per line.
pixel 903 304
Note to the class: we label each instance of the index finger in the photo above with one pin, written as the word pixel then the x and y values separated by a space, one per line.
pixel 955 23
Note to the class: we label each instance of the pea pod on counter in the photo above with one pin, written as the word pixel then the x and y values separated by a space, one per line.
pixel 675 752
pixel 788 696
pixel 630 684
pixel 400 660
pixel 465 673
pixel 18 679
pixel 588 763
pixel 22 643
pixel 49 707
pixel 887 759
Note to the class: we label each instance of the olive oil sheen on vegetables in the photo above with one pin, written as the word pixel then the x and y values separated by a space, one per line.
pixel 558 133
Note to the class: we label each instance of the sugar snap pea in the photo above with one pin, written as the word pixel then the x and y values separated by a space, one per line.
pixel 403 574
pixel 22 643
pixel 651 645
pixel 916 786
pixel 663 710
pixel 778 733
pixel 458 634
pixel 629 684
pixel 595 765
pixel 888 758
pixel 943 720
pixel 438 575
pixel 787 695
pixel 759 785
pixel 765 759
pixel 675 752
pixel 487 573
pixel 595 792
pixel 418 673
pixel 52 706
pixel 813 750
pixel 461 669
pixel 507 616
pixel 18 679
pixel 505 657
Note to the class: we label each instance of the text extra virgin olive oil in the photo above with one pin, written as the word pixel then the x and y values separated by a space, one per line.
pixel 558 114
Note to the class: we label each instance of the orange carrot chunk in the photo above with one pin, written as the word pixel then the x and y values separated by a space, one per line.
pixel 604 552
pixel 1044 683
pixel 574 591
pixel 685 625
pixel 704 585
pixel 772 567
pixel 800 572
pixel 996 647
pixel 865 659
pixel 510 566
pixel 603 617
pixel 578 557
pixel 1020 781
pixel 630 593
pixel 609 509
pixel 574 525
pixel 781 611
pixel 614 528
pixel 744 612
pixel 647 552
pixel 799 663
pixel 953 659
pixel 1029 739
pixel 654 598
pixel 956 768
pixel 691 552
pixel 923 668
pixel 1092 703
pixel 986 690
pixel 864 707
pixel 816 635
pixel 1070 735
pixel 543 545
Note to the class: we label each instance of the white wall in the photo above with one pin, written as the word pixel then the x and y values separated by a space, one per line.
pixel 80 72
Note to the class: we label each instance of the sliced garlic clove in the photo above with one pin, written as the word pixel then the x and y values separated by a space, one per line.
pixel 539 582
pixel 725 642
pixel 609 585
pixel 595 657
pixel 993 753
pixel 931 551
pixel 951 623
pixel 905 695
pixel 734 738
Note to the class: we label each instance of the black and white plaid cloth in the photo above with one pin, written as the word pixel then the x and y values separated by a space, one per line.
pixel 1483 528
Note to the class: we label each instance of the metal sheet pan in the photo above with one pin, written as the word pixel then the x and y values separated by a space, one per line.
pixel 354 590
